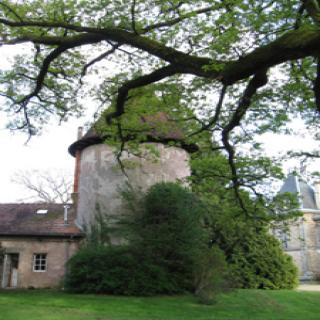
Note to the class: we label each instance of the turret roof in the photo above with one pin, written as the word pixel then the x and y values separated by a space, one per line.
pixel 172 133
pixel 305 193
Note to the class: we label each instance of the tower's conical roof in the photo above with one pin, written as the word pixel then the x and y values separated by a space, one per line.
pixel 305 193
pixel 161 129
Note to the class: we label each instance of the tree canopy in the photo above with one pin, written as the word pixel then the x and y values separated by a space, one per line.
pixel 243 67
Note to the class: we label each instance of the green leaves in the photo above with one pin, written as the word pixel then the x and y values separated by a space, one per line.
pixel 87 50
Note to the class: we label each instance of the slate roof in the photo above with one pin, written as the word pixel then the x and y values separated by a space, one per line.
pixel 305 192
pixel 161 130
pixel 21 219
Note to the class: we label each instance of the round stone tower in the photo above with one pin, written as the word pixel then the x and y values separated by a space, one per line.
pixel 99 176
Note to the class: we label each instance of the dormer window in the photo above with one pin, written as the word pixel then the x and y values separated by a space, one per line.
pixel 42 211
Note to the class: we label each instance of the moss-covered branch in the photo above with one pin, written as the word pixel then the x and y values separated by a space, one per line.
pixel 293 45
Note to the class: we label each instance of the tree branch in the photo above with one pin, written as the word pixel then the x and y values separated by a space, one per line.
pixel 133 16
pixel 41 76
pixel 292 45
pixel 298 154
pixel 120 152
pixel 299 16
pixel 50 187
pixel 180 19
pixel 47 24
pixel 316 86
pixel 139 82
pixel 313 9
pixel 76 40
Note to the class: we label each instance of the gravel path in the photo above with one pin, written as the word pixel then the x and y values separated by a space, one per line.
pixel 309 287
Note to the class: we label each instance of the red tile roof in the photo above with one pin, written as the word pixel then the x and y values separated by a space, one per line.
pixel 21 219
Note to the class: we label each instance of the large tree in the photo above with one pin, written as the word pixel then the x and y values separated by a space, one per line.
pixel 244 67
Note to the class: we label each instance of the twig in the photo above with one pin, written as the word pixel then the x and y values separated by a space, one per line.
pixel 99 58
pixel 11 10
pixel 122 147
pixel 215 118
pixel 260 79
pixel 316 86
pixel 133 18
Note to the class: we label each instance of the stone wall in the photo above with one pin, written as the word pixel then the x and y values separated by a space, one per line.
pixel 58 253
pixel 312 244
pixel 303 244
pixel 101 177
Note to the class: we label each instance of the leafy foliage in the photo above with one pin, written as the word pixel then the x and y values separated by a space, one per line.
pixel 255 257
pixel 200 48
pixel 212 275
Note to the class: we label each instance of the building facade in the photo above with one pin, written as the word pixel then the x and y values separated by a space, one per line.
pixel 302 240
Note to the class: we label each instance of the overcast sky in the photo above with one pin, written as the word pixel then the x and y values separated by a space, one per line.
pixel 46 152
pixel 49 151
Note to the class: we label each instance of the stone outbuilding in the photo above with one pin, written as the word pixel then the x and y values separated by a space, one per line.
pixel 36 241
pixel 302 242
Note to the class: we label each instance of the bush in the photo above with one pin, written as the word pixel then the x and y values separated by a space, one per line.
pixel 255 258
pixel 166 249
pixel 211 275
pixel 261 263
pixel 115 270
pixel 170 228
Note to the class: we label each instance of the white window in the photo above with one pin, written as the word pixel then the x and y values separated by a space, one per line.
pixel 40 262
pixel 42 211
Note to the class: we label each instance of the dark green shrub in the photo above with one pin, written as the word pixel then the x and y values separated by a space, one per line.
pixel 170 228
pixel 90 270
pixel 254 256
pixel 115 270
pixel 261 263
pixel 167 250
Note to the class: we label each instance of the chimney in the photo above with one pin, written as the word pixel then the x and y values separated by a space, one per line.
pixel 317 193
pixel 77 169
pixel 65 216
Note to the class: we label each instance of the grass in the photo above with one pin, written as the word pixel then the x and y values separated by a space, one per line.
pixel 240 304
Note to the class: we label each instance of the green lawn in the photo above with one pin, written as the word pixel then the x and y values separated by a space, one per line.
pixel 241 304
